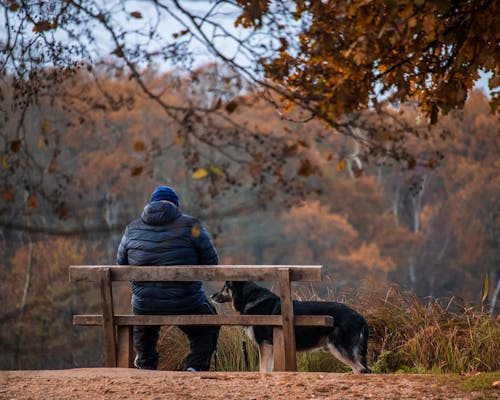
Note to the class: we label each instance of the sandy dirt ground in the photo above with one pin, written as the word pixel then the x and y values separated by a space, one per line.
pixel 105 383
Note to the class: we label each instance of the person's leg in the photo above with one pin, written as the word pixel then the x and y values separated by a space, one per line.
pixel 202 341
pixel 145 340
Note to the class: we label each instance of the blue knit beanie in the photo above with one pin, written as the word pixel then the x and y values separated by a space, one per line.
pixel 164 193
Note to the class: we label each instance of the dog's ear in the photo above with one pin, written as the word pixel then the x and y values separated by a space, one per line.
pixel 222 296
pixel 229 285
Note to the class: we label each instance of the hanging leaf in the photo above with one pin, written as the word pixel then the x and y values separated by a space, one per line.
pixel 8 196
pixel 45 125
pixel 42 142
pixel 32 201
pixel 118 52
pixel 306 168
pixel 52 167
pixel 200 173
pixel 139 146
pixel 258 156
pixel 382 68
pixel 15 146
pixel 43 26
pixel 215 170
pixel 136 170
pixel 231 106
pixel 288 107
pixel 341 165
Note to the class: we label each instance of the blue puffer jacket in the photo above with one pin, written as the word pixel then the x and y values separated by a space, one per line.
pixel 165 236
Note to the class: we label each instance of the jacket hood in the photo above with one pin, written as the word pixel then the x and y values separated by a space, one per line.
pixel 159 213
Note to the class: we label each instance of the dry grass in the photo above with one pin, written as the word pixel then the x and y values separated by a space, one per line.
pixel 406 335
pixel 230 356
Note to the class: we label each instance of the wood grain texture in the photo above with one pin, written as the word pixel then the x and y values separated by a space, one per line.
pixel 221 273
pixel 240 320
pixel 107 316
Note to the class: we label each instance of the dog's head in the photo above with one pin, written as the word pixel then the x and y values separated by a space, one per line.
pixel 224 295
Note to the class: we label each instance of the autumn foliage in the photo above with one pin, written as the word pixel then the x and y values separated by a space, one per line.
pixel 340 133
pixel 352 52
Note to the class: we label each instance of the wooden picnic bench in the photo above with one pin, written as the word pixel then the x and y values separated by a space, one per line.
pixel 118 328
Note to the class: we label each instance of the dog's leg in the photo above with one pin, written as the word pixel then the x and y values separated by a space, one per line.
pixel 265 357
pixel 356 365
pixel 270 361
pixel 359 353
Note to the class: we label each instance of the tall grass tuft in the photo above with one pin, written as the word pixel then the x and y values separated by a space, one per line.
pixel 235 352
pixel 409 334
pixel 173 347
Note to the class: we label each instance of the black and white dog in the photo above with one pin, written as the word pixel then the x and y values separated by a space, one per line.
pixel 347 340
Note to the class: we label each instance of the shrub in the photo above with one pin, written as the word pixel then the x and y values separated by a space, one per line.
pixel 429 336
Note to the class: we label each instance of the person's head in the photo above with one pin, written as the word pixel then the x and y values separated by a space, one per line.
pixel 164 193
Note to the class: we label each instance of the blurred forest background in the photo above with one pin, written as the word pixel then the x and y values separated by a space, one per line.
pixel 433 231
pixel 372 191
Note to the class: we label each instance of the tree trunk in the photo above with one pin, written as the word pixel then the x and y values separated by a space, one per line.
pixel 22 307
pixel 494 298
pixel 395 204
pixel 417 206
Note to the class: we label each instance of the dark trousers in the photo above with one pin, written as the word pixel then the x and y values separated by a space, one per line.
pixel 202 340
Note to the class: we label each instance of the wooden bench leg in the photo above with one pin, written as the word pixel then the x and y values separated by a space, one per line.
pixel 278 349
pixel 285 358
pixel 107 317
pixel 125 351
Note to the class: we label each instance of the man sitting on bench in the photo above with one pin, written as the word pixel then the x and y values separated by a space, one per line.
pixel 163 235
